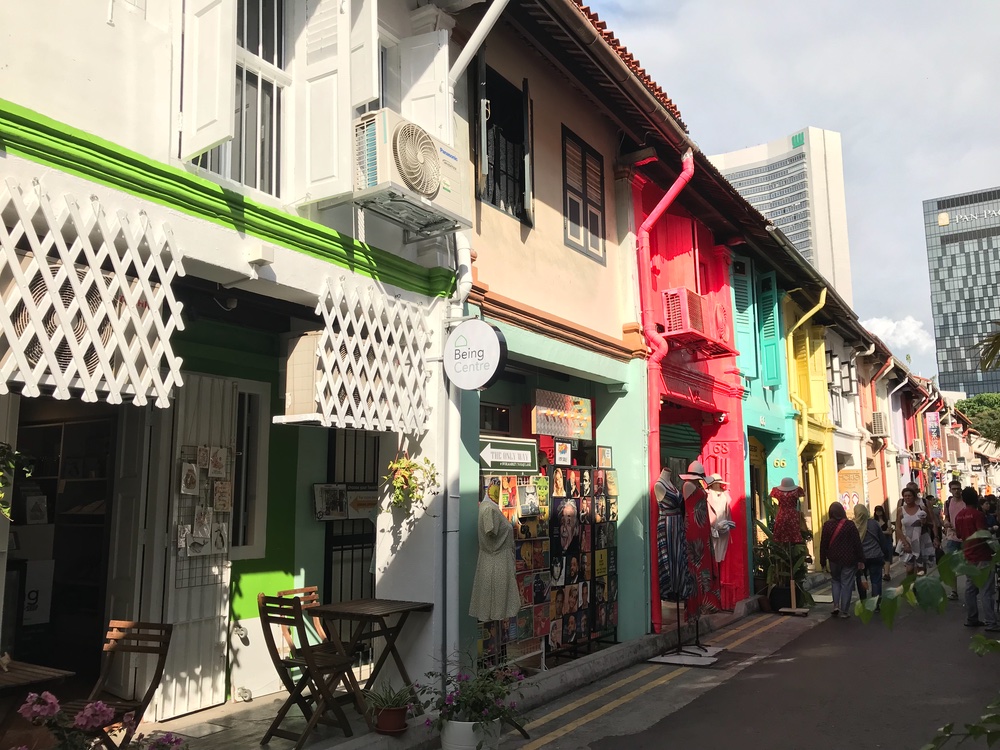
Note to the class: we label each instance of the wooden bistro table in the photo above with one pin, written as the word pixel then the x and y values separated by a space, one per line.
pixel 20 679
pixel 365 613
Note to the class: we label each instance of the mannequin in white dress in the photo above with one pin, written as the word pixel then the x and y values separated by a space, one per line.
pixel 719 516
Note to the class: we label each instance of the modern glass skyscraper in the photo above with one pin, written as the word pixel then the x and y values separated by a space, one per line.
pixel 798 183
pixel 963 257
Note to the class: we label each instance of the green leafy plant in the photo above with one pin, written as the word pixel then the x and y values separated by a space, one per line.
pixel 387 696
pixel 12 462
pixel 410 481
pixel 482 696
pixel 777 563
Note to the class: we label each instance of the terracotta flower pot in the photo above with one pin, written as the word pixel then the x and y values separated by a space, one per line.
pixel 390 720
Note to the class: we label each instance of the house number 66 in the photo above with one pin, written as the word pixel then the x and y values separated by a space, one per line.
pixel 780 463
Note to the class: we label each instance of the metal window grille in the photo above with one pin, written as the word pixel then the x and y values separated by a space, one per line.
pixel 253 156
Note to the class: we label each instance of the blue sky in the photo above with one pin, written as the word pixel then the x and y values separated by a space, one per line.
pixel 912 86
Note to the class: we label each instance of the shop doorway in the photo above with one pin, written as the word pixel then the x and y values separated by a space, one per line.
pixel 757 491
pixel 680 444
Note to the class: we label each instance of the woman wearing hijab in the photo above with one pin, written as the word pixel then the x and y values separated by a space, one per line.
pixel 873 545
pixel 840 544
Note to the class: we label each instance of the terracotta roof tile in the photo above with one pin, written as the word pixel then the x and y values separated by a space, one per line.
pixel 630 61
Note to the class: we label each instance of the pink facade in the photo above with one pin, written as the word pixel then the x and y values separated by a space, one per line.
pixel 697 383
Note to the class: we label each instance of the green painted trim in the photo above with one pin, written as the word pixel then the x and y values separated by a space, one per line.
pixel 34 136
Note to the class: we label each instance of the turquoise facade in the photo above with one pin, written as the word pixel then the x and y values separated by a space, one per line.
pixel 618 391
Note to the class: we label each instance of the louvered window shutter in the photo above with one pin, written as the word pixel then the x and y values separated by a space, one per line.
pixel 770 330
pixel 423 63
pixel 365 52
pixel 208 95
pixel 743 313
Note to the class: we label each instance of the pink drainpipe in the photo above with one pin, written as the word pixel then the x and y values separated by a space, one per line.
pixel 659 346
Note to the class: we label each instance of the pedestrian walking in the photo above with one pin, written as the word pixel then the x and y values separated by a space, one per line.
pixel 914 547
pixel 882 518
pixel 869 580
pixel 840 544
pixel 978 553
pixel 990 511
pixel 952 507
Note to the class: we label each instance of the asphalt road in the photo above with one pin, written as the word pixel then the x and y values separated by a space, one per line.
pixel 786 683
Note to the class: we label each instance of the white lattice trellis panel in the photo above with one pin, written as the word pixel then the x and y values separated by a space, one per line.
pixel 86 304
pixel 372 359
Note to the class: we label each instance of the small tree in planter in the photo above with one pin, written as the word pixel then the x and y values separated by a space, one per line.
pixel 410 481
pixel 12 462
pixel 779 563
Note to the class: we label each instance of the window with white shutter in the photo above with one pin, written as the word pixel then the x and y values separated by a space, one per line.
pixel 252 156
pixel 583 196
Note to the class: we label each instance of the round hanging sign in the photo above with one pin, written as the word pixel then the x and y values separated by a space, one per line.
pixel 474 355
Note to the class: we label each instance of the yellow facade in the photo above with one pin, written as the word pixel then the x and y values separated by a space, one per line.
pixel 806 346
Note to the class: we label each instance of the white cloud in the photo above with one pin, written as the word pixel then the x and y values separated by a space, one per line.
pixel 906 336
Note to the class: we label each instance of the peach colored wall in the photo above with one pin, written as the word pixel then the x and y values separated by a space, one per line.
pixel 534 265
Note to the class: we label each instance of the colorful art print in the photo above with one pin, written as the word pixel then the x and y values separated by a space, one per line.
pixel 583 626
pixel 329 502
pixel 541 621
pixel 540 587
pixel 601 589
pixel 611 534
pixel 586 539
pixel 572 603
pixel 541 554
pixel 508 493
pixel 203 453
pixel 599 481
pixel 602 536
pixel 525 624
pixel 572 576
pixel 491 488
pixel 555 634
pixel 613 615
pixel 584 596
pixel 585 567
pixel 557 602
pixel 586 482
pixel 567 528
pixel 505 630
pixel 542 489
pixel 557 571
pixel 525 583
pixel 573 483
pixel 218 460
pixel 601 563
pixel 586 510
pixel 612 560
pixel 564 453
pixel 543 524
pixel 524 556
pixel 604 457
pixel 527 500
pixel 190 481
pixel 611 482
pixel 569 629
pixel 558 482
pixel 612 588
pixel 613 509
pixel 600 509
pixel 490 641
pixel 601 617
pixel 222 496
pixel 527 528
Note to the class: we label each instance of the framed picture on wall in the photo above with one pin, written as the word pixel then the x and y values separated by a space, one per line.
pixel 564 453
pixel 604 457
pixel 330 501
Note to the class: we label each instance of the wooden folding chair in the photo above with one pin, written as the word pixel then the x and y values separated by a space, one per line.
pixel 318 671
pixel 309 596
pixel 123 639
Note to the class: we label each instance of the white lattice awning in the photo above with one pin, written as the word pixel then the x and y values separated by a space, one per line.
pixel 371 369
pixel 86 305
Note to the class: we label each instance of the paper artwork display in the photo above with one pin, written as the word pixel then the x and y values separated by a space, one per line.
pixel 508 493
pixel 604 457
pixel 527 500
pixel 198 547
pixel 217 461
pixel 220 538
pixel 222 496
pixel 611 482
pixel 183 535
pixel 36 509
pixel 572 483
pixel 564 453
pixel 190 481
pixel 202 527
pixel 330 502
pixel 559 483
pixel 203 456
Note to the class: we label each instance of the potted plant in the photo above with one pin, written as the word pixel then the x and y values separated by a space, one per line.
pixel 471 707
pixel 777 564
pixel 388 707
pixel 12 462
pixel 410 481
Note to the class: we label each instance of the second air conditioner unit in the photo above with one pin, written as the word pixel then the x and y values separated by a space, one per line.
pixel 405 175
pixel 917 446
pixel 880 425
pixel 952 457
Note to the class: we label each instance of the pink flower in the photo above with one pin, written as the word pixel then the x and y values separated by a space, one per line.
pixel 449 699
pixel 37 707
pixel 96 715
pixel 427 723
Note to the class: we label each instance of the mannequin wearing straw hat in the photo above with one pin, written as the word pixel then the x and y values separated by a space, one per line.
pixel 787 530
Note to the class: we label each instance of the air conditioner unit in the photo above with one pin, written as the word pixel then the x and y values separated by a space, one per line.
pixel 917 446
pixel 880 424
pixel 405 175
pixel 691 323
pixel 37 288
pixel 952 457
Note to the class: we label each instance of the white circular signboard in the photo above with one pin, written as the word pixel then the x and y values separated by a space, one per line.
pixel 474 355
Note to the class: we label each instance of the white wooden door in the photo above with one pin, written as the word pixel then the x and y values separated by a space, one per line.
pixel 196 589
pixel 128 519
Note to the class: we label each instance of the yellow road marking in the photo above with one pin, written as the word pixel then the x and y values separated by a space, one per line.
pixel 757 632
pixel 562 731
pixel 631 678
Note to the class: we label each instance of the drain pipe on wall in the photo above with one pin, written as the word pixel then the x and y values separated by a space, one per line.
pixel 482 31
pixel 659 346
pixel 452 473
pixel 790 353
